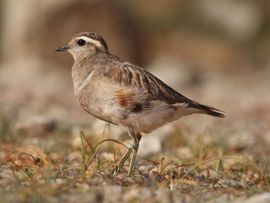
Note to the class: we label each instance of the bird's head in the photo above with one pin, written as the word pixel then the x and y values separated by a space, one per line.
pixel 84 44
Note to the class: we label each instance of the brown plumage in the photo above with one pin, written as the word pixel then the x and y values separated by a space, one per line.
pixel 118 92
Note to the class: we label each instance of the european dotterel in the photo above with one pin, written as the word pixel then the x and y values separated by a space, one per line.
pixel 113 90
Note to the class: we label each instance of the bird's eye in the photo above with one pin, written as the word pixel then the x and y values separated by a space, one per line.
pixel 81 42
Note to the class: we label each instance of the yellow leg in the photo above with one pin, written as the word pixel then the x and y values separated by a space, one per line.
pixel 136 139
pixel 122 161
pixel 136 142
pixel 133 158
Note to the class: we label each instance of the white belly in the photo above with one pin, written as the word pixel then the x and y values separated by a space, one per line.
pixel 157 115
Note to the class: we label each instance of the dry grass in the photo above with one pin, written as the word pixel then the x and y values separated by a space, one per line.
pixel 198 167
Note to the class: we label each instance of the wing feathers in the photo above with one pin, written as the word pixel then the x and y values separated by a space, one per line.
pixel 140 80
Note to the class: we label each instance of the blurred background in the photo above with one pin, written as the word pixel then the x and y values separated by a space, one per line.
pixel 216 52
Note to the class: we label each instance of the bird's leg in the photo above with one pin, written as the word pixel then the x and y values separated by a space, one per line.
pixel 135 146
pixel 136 141
pixel 122 161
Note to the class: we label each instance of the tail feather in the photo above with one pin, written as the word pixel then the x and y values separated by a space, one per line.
pixel 207 110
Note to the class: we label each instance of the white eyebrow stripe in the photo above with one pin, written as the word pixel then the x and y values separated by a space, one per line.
pixel 87 39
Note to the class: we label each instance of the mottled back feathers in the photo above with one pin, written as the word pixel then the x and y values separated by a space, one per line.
pixel 131 76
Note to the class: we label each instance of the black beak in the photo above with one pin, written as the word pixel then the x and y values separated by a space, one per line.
pixel 64 48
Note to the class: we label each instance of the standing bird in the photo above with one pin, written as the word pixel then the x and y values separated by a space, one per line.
pixel 113 90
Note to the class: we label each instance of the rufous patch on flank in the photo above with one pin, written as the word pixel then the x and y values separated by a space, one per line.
pixel 124 97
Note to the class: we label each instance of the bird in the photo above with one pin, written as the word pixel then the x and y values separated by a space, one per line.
pixel 118 92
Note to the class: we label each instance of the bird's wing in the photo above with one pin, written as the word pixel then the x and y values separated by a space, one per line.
pixel 136 78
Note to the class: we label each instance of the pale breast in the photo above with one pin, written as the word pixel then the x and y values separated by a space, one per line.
pixel 96 97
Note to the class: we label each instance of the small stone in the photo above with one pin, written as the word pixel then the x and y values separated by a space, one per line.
pixel 229 183
pixel 152 142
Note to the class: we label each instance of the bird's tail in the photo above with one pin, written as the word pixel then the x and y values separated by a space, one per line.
pixel 207 110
